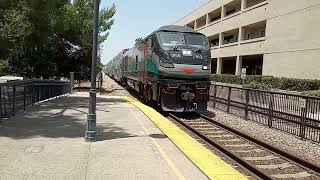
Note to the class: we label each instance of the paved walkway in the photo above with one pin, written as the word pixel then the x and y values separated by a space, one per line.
pixel 46 142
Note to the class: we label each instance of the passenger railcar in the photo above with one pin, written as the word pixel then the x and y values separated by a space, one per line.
pixel 113 68
pixel 171 67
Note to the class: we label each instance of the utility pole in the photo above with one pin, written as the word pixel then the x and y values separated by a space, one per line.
pixel 91 119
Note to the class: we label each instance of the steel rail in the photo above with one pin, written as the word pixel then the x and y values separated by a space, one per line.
pixel 247 166
pixel 298 161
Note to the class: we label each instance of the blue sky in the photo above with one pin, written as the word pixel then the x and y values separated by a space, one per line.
pixel 138 18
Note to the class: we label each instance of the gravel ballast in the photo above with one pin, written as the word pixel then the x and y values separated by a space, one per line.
pixel 304 149
pixel 112 88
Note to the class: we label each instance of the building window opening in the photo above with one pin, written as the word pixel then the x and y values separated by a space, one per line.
pixel 233 7
pixel 214 62
pixel 216 18
pixel 230 36
pixel 201 22
pixel 229 65
pixel 251 36
pixel 229 12
pixel 251 3
pixel 253 64
pixel 229 39
pixel 254 31
pixel 215 15
pixel 214 43
pixel 191 25
pixel 214 40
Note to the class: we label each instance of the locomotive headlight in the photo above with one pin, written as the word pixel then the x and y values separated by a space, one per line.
pixel 205 68
pixel 186 52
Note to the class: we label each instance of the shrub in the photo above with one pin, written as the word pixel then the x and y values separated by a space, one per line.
pixel 315 93
pixel 257 85
pixel 271 81
pixel 232 79
pixel 268 82
pixel 298 84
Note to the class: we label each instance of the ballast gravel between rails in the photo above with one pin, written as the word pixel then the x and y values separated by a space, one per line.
pixel 249 167
pixel 305 164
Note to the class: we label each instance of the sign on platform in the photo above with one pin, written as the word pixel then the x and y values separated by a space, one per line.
pixel 243 73
pixel 302 102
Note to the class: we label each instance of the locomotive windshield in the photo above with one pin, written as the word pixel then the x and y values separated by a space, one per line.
pixel 196 40
pixel 177 39
pixel 171 39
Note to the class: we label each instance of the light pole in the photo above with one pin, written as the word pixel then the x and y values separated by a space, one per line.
pixel 91 119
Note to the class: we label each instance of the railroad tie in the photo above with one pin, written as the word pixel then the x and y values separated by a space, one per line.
pixel 263 158
pixel 215 132
pixel 295 176
pixel 221 136
pixel 275 166
pixel 197 123
pixel 249 151
pixel 229 140
pixel 206 129
pixel 239 145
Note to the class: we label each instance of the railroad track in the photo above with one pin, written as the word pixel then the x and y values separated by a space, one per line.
pixel 261 160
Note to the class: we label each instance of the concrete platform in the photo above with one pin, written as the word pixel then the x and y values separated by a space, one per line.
pixel 47 142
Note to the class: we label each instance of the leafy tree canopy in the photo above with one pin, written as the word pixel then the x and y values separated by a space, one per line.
pixel 40 38
pixel 138 41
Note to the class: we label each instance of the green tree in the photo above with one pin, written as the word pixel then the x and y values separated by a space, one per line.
pixel 49 38
pixel 14 29
pixel 138 41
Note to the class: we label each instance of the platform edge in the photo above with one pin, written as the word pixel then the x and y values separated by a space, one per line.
pixel 209 163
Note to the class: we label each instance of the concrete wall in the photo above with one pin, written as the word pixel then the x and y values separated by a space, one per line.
pixel 205 9
pixel 298 64
pixel 293 39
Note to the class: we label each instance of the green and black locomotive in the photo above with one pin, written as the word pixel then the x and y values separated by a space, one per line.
pixel 171 67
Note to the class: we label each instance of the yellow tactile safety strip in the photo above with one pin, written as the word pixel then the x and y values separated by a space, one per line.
pixel 209 163
pixel 163 154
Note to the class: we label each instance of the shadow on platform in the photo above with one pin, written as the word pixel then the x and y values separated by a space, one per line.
pixel 64 117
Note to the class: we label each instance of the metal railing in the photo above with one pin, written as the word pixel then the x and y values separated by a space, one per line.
pixel 295 114
pixel 17 95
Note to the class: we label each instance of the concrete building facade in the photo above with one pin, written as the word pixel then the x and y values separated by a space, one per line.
pixel 267 37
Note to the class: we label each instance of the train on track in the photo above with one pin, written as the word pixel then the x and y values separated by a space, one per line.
pixel 169 67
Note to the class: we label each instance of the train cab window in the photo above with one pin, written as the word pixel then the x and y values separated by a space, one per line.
pixel 126 63
pixel 171 39
pixel 155 43
pixel 136 63
pixel 149 47
pixel 149 43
